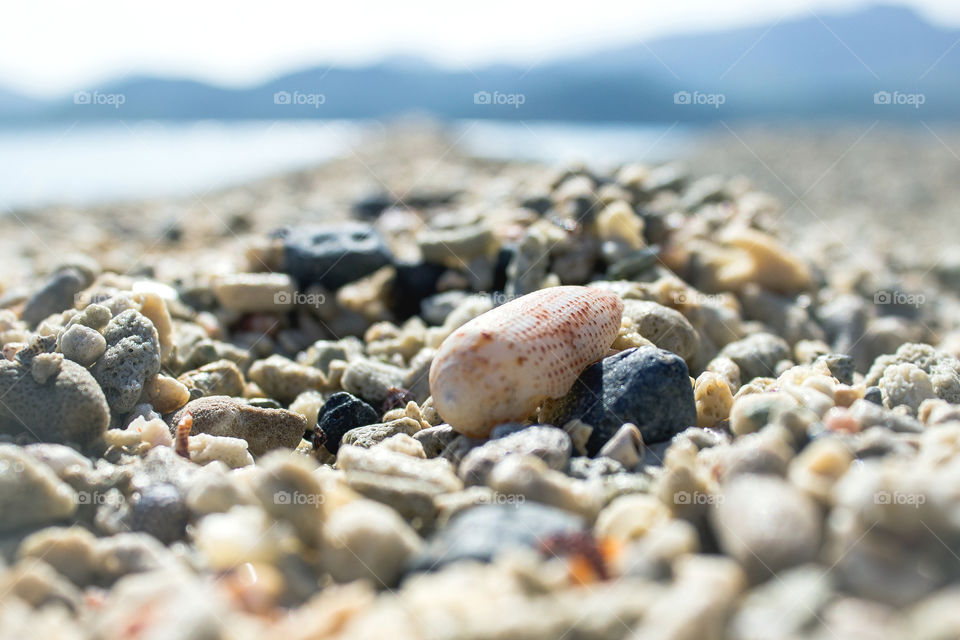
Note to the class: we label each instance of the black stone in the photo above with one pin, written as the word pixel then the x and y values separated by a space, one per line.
pixel 333 255
pixel 413 283
pixel 483 532
pixel 647 386
pixel 371 206
pixel 340 413
pixel 161 511
pixel 57 294
pixel 874 395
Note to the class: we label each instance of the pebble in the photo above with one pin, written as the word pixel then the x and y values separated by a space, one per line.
pixel 57 294
pixel 371 380
pixel 529 478
pixel 30 492
pixel 166 394
pixel 646 386
pixel 242 534
pixel 82 344
pixel 217 378
pixel 625 447
pixel 131 358
pixel 550 444
pixel 770 264
pixel 68 407
pixel 372 434
pixel 255 292
pixel 501 365
pixel 783 607
pixel 290 490
pixel 161 511
pixel 37 584
pixel 714 399
pixel 905 385
pixel 284 379
pixel 435 439
pixel 456 247
pixel 663 326
pixel 333 255
pixel 527 270
pixel 483 532
pixel 341 413
pixel 631 517
pixel 757 355
pixel 754 411
pixel 380 460
pixel 263 429
pixel 766 524
pixel 365 540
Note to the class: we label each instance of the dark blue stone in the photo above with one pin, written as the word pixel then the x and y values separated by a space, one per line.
pixel 647 386
pixel 333 255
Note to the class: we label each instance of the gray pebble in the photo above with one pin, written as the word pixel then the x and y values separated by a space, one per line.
pixel 30 492
pixel 757 355
pixel 766 524
pixel 68 407
pixel 550 444
pixel 372 434
pixel 483 532
pixel 160 510
pixel 132 357
pixel 663 326
pixel 82 344
pixel 435 439
pixel 57 294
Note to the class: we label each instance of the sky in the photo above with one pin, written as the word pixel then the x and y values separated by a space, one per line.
pixel 54 47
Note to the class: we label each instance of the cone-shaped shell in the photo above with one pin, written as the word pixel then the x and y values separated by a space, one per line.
pixel 501 365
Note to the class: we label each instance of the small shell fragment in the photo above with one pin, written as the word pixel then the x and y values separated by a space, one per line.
pixel 502 364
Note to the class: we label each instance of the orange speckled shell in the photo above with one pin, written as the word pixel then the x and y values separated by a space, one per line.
pixel 501 365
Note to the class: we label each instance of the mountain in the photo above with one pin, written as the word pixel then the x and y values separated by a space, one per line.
pixel 880 62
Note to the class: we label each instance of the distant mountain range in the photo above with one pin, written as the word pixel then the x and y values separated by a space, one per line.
pixel 882 62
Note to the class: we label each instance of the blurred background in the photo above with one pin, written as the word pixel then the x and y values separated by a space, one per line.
pixel 840 105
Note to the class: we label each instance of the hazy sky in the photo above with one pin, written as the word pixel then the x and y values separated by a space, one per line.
pixel 56 46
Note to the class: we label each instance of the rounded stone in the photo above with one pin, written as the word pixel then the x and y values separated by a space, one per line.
pixel 647 386
pixel 341 413
pixel 333 255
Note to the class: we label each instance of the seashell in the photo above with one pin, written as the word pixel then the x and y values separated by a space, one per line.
pixel 502 364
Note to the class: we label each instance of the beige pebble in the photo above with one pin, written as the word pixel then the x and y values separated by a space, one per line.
pixel 713 398
pixel 166 394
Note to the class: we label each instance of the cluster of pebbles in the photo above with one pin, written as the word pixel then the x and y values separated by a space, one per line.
pixel 652 419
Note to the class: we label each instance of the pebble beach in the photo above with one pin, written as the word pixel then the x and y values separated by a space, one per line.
pixel 415 394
